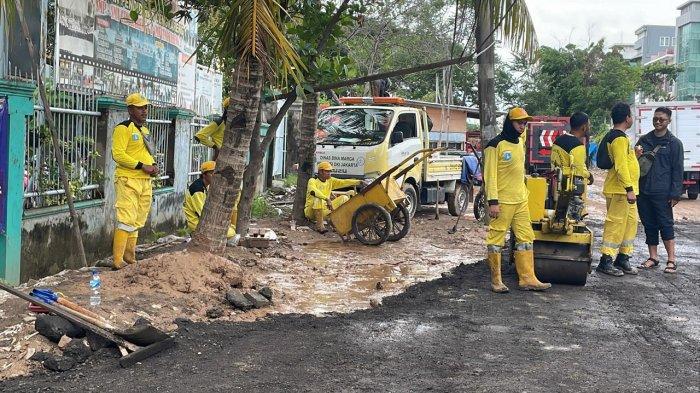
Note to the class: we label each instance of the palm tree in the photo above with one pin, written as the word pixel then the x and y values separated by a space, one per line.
pixel 510 19
pixel 252 33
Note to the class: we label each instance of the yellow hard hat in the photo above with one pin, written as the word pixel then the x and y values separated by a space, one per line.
pixel 207 166
pixel 225 102
pixel 518 113
pixel 136 99
pixel 325 165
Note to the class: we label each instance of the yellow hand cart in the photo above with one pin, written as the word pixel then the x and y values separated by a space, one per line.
pixel 377 213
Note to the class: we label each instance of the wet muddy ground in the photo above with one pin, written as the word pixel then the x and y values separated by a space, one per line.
pixel 449 333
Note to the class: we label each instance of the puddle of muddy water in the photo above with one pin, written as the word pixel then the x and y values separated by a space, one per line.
pixel 346 277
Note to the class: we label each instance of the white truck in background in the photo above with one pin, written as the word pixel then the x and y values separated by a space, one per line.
pixel 685 125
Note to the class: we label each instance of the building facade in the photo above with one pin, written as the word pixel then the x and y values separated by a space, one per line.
pixel 652 39
pixel 688 51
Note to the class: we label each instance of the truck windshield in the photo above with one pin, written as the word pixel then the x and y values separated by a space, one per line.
pixel 353 126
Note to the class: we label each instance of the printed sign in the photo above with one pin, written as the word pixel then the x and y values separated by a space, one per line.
pixel 345 163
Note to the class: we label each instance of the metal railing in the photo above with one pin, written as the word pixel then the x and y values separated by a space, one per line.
pixel 198 152
pixel 75 117
pixel 160 125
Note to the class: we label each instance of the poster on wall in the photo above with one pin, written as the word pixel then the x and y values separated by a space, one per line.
pixel 100 48
pixel 209 91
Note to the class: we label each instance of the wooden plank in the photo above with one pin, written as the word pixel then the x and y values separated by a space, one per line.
pixel 146 352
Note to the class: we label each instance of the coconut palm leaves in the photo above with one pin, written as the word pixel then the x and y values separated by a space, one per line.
pixel 516 27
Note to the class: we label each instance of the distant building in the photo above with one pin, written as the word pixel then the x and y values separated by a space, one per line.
pixel 688 51
pixel 626 50
pixel 652 39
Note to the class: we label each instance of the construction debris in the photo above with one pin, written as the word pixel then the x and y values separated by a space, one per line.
pixel 54 327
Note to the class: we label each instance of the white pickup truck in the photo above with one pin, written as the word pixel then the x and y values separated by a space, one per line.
pixel 685 125
pixel 368 135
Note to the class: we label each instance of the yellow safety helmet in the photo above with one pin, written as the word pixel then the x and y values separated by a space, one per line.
pixel 225 102
pixel 136 99
pixel 518 113
pixel 207 166
pixel 325 165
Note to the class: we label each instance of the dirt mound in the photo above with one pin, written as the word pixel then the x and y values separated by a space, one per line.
pixel 178 274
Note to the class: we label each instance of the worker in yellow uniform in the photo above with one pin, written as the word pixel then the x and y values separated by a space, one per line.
pixel 620 189
pixel 506 192
pixel 213 134
pixel 133 151
pixel 320 200
pixel 569 153
pixel 196 195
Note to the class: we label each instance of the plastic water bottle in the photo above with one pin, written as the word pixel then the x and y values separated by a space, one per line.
pixel 95 285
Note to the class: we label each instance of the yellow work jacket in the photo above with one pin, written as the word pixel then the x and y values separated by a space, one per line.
pixel 322 189
pixel 194 203
pixel 504 171
pixel 567 147
pixel 624 175
pixel 129 149
pixel 213 134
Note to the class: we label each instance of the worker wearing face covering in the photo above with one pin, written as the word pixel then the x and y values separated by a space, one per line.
pixel 507 195
pixel 320 200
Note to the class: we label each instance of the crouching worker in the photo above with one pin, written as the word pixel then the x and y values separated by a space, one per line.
pixel 320 200
pixel 506 192
pixel 196 195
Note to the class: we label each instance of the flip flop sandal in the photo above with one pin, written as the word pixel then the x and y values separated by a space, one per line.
pixel 645 265
pixel 670 267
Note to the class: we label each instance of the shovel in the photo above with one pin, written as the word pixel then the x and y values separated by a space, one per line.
pixel 141 335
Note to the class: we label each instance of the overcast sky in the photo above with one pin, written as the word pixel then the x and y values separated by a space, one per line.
pixel 559 22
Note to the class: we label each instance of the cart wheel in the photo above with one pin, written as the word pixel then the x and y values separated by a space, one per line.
pixel 371 224
pixel 479 205
pixel 458 201
pixel 400 223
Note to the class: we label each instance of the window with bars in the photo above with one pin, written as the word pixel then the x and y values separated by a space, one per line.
pixel 75 118
pixel 162 129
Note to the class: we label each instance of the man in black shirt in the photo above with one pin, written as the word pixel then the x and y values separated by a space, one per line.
pixel 660 189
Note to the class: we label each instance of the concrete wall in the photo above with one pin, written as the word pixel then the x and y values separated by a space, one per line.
pixel 47 239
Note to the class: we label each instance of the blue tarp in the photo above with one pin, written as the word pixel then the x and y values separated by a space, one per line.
pixel 470 169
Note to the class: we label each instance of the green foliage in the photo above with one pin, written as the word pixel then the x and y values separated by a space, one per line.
pixel 155 235
pixel 653 76
pixel 262 209
pixel 290 180
pixel 183 232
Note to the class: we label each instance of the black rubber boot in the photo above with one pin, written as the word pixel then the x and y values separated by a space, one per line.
pixel 606 266
pixel 622 262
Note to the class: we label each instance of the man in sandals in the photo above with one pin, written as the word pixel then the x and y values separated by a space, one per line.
pixel 660 189
pixel 620 189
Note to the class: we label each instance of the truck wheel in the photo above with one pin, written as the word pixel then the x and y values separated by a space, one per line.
pixel 458 201
pixel 400 223
pixel 411 198
pixel 371 224
pixel 692 196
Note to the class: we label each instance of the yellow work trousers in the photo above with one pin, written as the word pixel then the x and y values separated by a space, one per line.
pixel 620 226
pixel 133 203
pixel 321 204
pixel 516 216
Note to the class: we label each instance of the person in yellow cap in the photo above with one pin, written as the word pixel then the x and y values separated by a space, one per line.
pixel 320 200
pixel 133 151
pixel 506 192
pixel 196 195
pixel 213 134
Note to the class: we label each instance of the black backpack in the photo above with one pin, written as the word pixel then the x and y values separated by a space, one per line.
pixel 603 157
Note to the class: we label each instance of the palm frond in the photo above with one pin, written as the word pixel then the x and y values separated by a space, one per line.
pixel 516 29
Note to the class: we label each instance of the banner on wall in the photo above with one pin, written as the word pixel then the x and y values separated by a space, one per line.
pixel 100 48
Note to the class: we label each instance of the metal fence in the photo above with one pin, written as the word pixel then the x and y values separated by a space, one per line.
pixel 198 152
pixel 75 117
pixel 161 127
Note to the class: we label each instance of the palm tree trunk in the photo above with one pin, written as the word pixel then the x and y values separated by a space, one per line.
pixel 486 73
pixel 250 176
pixel 225 187
pixel 57 149
pixel 307 150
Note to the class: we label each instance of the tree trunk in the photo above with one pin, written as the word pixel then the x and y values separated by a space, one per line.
pixel 57 149
pixel 240 122
pixel 292 141
pixel 307 150
pixel 486 73
pixel 486 76
pixel 250 176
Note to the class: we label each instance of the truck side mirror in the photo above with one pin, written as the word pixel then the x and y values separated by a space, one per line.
pixel 396 137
